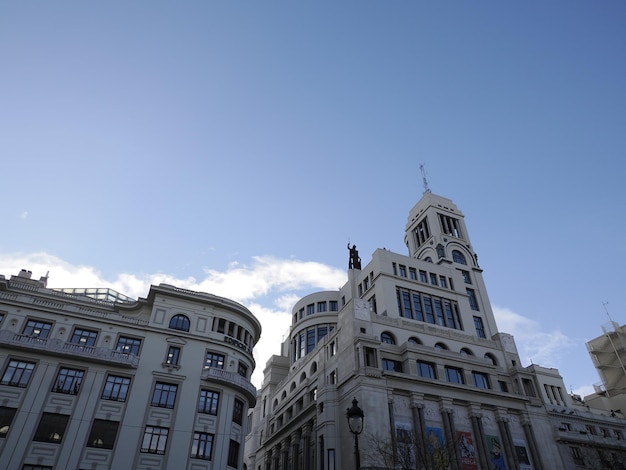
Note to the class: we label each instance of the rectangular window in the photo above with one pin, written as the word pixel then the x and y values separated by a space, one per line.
pixel 426 369
pixel 238 411
pixel 321 306
pixel 164 395
pixel 529 389
pixel 450 226
pixel 413 274
pixel 36 467
pixel 68 381
pixel 449 315
pixel 310 340
pixel 173 355
pixel 6 418
pixel 428 309
pixel 116 388
pixel 208 402
pixel 402 270
pixel 417 307
pixel 442 282
pixel 423 277
pixel 202 446
pixel 103 433
pixel 51 428
pixel 333 306
pixel 233 454
pixel 366 283
pixel 405 304
pixel 37 329
pixel 481 380
pixel 394 266
pixel 17 373
pixel 84 337
pixel 242 369
pixel 471 296
pixel 214 360
pixel 466 276
pixel 433 279
pixel 128 345
pixel 480 328
pixel 321 332
pixel 302 343
pixel 421 232
pixel 503 386
pixel 439 312
pixel 310 309
pixel 454 375
pixel 577 455
pixel 391 365
pixel 154 440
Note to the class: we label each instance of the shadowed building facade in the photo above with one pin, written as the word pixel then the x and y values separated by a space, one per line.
pixel 414 339
pixel 92 379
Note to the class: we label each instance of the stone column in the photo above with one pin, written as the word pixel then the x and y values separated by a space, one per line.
pixel 295 449
pixel 447 417
pixel 306 447
pixel 419 429
pixel 507 443
pixel 479 440
pixel 530 440
pixel 284 454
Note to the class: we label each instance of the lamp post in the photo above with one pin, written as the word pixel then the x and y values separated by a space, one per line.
pixel 355 422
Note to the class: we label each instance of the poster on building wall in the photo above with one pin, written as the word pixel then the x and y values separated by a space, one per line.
pixel 436 448
pixel 467 450
pixel 522 454
pixel 496 453
pixel 405 442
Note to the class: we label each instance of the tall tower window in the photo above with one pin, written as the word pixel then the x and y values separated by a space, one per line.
pixel 421 232
pixel 450 226
pixel 458 257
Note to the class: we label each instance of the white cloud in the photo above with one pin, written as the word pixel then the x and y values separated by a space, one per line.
pixel 545 348
pixel 24 215
pixel 266 287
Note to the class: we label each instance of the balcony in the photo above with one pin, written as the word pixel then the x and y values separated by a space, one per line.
pixel 58 347
pixel 213 374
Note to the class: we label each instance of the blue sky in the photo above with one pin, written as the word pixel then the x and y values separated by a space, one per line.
pixel 236 147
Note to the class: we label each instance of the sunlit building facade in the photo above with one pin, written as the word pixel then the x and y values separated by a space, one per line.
pixel 92 379
pixel 414 339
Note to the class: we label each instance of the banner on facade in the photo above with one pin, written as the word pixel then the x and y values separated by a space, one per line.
pixel 467 450
pixel 522 454
pixel 496 453
pixel 436 448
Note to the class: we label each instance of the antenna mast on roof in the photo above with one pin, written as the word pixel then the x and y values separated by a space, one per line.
pixel 424 179
pixel 604 304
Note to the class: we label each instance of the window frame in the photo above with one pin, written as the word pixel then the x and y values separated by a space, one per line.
pixel 105 431
pixel 68 381
pixel 51 425
pixel 454 375
pixel 180 322
pixel 84 337
pixel 202 445
pixel 128 345
pixel 164 395
pixel 210 398
pixel 154 440
pixel 27 368
pixel 33 324
pixel 429 367
pixel 211 356
pixel 120 385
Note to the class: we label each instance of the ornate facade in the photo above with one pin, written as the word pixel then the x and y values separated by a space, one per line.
pixel 414 340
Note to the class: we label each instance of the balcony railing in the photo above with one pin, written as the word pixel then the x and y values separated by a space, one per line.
pixel 232 379
pixel 62 348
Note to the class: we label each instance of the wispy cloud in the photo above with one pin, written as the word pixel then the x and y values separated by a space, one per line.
pixel 24 215
pixel 545 348
pixel 267 286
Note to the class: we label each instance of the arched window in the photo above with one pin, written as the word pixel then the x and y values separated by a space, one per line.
pixel 302 377
pixel 314 368
pixel 466 352
pixel 458 257
pixel 441 346
pixel 414 340
pixel 490 357
pixel 429 259
pixel 293 386
pixel 387 337
pixel 283 395
pixel 179 322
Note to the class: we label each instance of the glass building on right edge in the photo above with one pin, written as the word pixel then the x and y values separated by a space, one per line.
pixel 414 340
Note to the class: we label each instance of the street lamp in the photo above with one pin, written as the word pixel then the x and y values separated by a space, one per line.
pixel 355 422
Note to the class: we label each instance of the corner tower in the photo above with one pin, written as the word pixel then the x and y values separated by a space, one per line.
pixel 436 232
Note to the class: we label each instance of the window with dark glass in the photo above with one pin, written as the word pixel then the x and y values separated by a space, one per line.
pixel 164 395
pixel 413 274
pixel 202 445
pixel 321 306
pixel 503 386
pixel 128 345
pixel 36 467
pixel 332 306
pixel 481 380
pixel 208 402
pixel 238 411
pixel 439 312
pixel 466 276
pixel 392 365
pixel 103 433
pixel 154 440
pixel 84 337
pixel 310 309
pixel 433 279
pixel 51 428
pixel 214 360
pixel 6 418
pixel 402 270
pixel 179 322
pixel 450 226
pixel 454 375
pixel 17 373
pixel 37 329
pixel 233 454
pixel 442 282
pixel 471 296
pixel 173 355
pixel 458 257
pixel 68 381
pixel 423 277
pixel 480 329
pixel 421 232
pixel 387 337
pixel 426 369
pixel 310 339
pixel 428 309
pixel 116 388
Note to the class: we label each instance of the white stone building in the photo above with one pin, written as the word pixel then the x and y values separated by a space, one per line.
pixel 92 379
pixel 414 340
